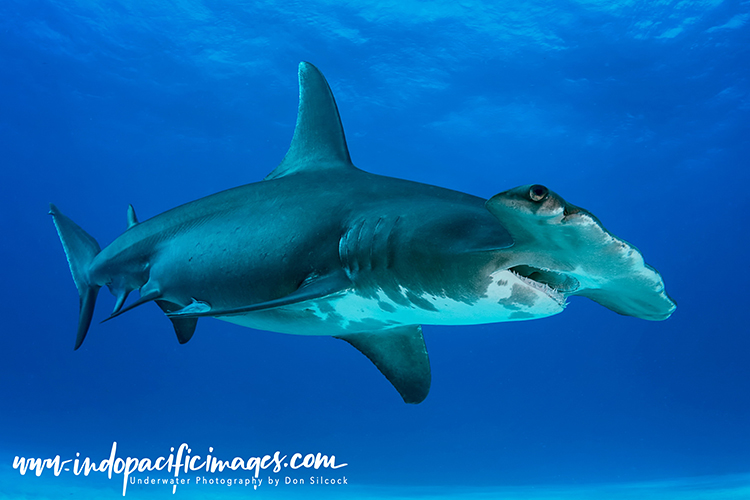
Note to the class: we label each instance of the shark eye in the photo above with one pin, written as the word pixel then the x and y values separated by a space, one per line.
pixel 537 192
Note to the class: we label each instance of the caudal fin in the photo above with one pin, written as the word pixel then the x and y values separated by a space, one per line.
pixel 80 249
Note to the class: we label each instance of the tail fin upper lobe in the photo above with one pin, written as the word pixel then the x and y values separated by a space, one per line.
pixel 80 249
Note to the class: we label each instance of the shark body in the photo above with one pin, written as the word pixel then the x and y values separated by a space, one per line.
pixel 322 248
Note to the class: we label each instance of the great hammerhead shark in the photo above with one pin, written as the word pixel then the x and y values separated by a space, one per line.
pixel 320 247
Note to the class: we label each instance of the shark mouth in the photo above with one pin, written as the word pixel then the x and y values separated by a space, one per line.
pixel 556 285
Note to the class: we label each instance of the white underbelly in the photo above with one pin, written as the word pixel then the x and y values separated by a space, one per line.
pixel 508 298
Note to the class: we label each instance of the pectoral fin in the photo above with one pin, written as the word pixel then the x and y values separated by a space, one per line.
pixel 401 355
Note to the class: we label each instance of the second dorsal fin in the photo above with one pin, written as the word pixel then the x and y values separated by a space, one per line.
pixel 318 143
pixel 132 219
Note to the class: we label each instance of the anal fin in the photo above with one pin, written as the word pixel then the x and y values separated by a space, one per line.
pixel 183 327
pixel 401 355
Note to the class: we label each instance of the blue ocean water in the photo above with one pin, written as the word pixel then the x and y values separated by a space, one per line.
pixel 636 111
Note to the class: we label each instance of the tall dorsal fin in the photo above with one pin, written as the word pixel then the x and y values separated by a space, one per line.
pixel 318 142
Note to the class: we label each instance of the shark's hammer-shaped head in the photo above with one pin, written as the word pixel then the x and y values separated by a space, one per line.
pixel 566 248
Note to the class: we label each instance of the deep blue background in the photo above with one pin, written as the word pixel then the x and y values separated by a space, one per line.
pixel 638 112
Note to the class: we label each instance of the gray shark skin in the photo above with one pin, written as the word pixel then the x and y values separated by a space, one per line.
pixel 322 248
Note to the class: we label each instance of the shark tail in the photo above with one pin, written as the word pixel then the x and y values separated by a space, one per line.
pixel 80 249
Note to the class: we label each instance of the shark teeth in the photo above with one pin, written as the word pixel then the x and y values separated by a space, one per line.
pixel 544 287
